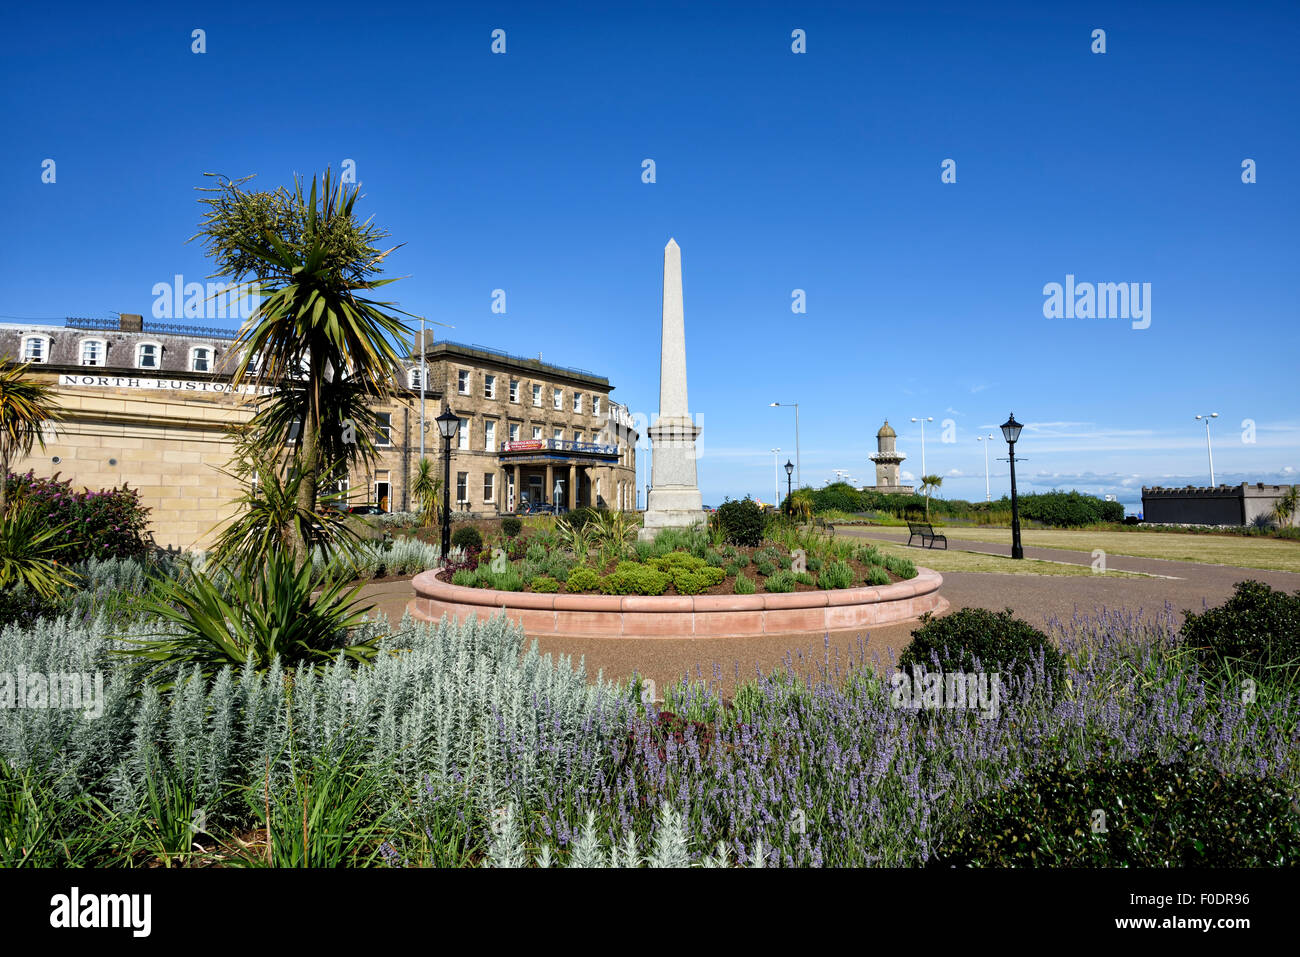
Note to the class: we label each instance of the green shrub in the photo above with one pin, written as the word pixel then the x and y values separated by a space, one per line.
pixel 1000 642
pixel 814 563
pixel 544 583
pixel 581 578
pixel 744 586
pixel 716 559
pixel 467 536
pixel 804 578
pixel 1156 815
pixel 781 581
pixel 869 555
pixel 109 523
pixel 765 568
pixel 644 550
pixel 558 565
pixel 466 577
pixel 536 552
pixel 742 522
pixel 511 526
pixel 732 570
pixel 508 580
pixel 904 568
pixel 632 578
pixel 582 516
pixel 747 702
pixel 876 575
pixel 698 581
pixel 1256 631
pixel 837 574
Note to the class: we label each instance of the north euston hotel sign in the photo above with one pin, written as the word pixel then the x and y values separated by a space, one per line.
pixel 169 385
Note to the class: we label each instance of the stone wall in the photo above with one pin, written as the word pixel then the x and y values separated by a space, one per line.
pixel 1221 505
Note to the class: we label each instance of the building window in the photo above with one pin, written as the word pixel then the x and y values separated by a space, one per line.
pixel 462 381
pixel 462 487
pixel 384 434
pixel 200 359
pixel 577 435
pixel 537 396
pixel 489 436
pixel 514 390
pixel 558 398
pixel 514 431
pixel 489 387
pixel 577 402
pixel 489 486
pixel 537 432
pixel 294 429
pixel 92 352
pixel 36 349
pixel 148 355
pixel 463 435
pixel 559 435
pixel 595 405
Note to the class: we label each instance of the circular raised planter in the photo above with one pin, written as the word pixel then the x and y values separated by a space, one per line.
pixel 672 616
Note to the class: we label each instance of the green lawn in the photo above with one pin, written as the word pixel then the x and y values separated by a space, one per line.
pixel 1235 550
pixel 957 560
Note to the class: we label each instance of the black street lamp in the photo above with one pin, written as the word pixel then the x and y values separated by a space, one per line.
pixel 789 470
pixel 1011 432
pixel 448 425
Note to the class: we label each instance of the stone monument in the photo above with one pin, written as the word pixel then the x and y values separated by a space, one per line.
pixel 674 500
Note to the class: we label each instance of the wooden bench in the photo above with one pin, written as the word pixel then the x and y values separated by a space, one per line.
pixel 926 531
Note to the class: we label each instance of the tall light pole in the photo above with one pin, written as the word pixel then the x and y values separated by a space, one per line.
pixel 776 478
pixel 798 462
pixel 422 388
pixel 448 425
pixel 988 497
pixel 923 421
pixel 1011 432
pixel 1208 448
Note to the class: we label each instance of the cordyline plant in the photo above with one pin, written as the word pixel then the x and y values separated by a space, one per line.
pixel 312 263
pixel 25 407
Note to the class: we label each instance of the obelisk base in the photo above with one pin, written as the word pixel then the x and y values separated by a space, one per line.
pixel 674 500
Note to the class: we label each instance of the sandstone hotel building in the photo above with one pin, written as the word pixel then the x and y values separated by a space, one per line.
pixel 150 404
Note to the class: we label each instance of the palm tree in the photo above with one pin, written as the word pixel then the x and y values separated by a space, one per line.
pixel 928 484
pixel 426 488
pixel 1285 507
pixel 25 406
pixel 313 262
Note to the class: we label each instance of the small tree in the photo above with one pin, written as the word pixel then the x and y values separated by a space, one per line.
pixel 1284 508
pixel 426 487
pixel 928 484
pixel 25 407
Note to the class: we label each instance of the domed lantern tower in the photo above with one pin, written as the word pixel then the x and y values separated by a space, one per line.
pixel 887 459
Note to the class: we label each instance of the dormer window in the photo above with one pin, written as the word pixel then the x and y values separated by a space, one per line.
pixel 200 359
pixel 36 349
pixel 93 351
pixel 148 355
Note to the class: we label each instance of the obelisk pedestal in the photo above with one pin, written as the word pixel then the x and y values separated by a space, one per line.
pixel 674 500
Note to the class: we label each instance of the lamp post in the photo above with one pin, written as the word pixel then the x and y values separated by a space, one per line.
pixel 1208 448
pixel 422 426
pixel 1011 432
pixel 988 497
pixel 776 477
pixel 448 425
pixel 923 421
pixel 798 460
pixel 789 470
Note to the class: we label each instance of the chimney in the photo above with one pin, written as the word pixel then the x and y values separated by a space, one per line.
pixel 131 322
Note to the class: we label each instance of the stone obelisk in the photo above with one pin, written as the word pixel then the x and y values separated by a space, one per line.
pixel 674 500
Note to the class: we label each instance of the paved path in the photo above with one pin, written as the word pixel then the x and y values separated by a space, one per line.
pixel 1036 598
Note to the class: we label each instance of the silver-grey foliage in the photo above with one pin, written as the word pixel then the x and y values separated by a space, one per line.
pixel 459 703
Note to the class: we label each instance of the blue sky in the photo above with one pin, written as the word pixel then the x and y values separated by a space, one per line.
pixel 775 171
